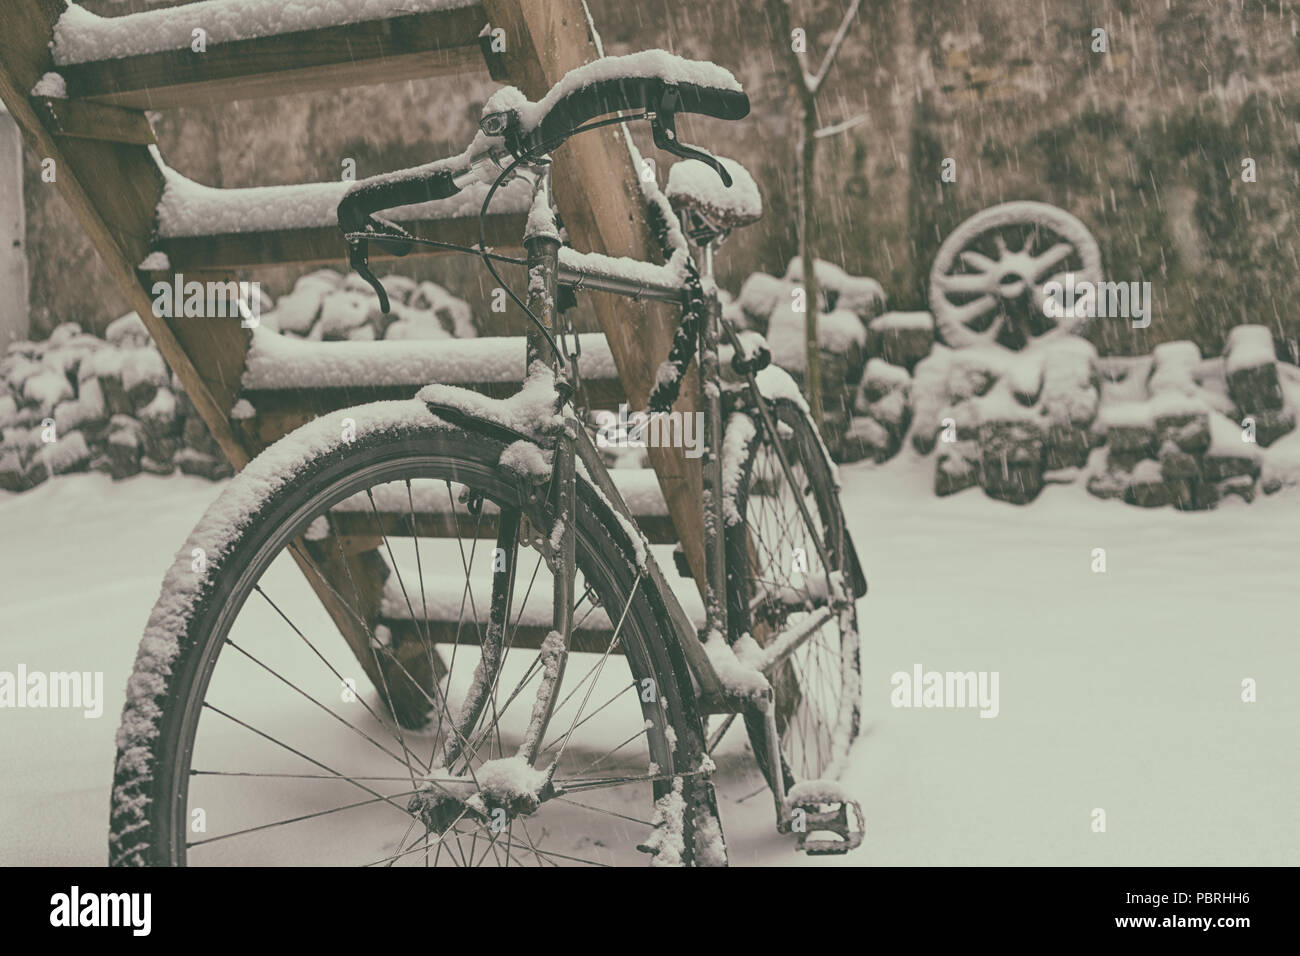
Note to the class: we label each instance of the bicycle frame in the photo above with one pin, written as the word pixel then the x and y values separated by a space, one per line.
pixel 575 445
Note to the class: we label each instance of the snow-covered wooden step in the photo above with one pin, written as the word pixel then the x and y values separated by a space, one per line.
pixel 432 510
pixel 259 48
pixel 447 614
pixel 205 228
pixel 289 381
pixel 281 362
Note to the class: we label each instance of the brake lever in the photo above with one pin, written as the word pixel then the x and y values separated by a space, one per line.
pixel 359 260
pixel 663 126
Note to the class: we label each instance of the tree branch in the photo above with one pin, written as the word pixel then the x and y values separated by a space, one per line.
pixel 841 126
pixel 833 50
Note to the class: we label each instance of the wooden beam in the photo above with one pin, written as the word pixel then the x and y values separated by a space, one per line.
pixel 323 245
pixel 281 411
pixel 380 51
pixel 596 189
pixel 658 529
pixel 408 633
pixel 113 189
pixel 81 120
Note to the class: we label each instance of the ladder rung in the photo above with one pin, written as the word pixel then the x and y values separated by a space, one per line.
pixel 433 517
pixel 382 51
pixel 323 244
pixel 523 637
pixel 78 119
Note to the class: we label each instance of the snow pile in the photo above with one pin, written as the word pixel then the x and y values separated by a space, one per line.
pixel 849 307
pixel 839 332
pixel 1249 346
pixel 1177 428
pixel 762 294
pixel 859 294
pixel 329 307
pixel 526 458
pixel 51 85
pixel 76 402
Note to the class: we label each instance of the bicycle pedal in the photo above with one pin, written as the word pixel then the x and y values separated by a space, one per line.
pixel 824 820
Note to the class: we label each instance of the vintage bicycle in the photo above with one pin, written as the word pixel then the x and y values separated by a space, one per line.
pixel 566 705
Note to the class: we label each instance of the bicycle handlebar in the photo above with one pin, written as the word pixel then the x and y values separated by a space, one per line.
pixel 661 98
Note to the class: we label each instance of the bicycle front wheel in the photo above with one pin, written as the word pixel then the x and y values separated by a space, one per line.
pixel 450 726
pixel 788 559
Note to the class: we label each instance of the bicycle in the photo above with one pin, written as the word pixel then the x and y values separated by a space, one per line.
pixel 451 749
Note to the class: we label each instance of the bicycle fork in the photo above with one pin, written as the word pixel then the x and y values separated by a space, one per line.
pixel 542 245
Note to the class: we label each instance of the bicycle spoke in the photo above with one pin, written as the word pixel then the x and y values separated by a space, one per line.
pixel 310 760
pixel 341 719
pixel 299 819
pixel 370 710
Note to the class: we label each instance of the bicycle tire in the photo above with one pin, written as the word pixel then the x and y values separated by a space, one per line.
pixel 751 537
pixel 268 506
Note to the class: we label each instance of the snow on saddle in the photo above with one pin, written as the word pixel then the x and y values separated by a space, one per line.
pixel 695 188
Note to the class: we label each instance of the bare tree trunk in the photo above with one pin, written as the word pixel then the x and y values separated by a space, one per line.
pixel 806 164
pixel 805 87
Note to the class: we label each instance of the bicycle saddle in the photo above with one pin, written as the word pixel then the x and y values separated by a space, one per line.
pixel 692 188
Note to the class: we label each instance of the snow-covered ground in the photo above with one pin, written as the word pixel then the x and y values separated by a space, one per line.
pixel 1118 690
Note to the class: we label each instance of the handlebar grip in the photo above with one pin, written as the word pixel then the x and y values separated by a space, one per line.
pixel 628 93
pixel 370 196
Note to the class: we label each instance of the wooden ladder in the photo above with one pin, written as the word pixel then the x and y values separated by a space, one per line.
pixel 100 140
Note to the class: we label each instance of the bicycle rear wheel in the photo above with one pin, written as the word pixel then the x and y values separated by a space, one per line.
pixel 253 736
pixel 778 581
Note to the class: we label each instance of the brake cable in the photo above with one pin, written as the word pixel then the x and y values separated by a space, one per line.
pixel 531 157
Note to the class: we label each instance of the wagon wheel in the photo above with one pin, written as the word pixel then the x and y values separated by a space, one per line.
pixel 987 282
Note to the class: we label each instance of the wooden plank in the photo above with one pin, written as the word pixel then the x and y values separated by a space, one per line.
pixel 658 529
pixel 113 189
pixel 598 196
pixel 380 51
pixel 280 412
pixel 82 120
pixel 244 250
pixel 351 588
pixel 407 634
